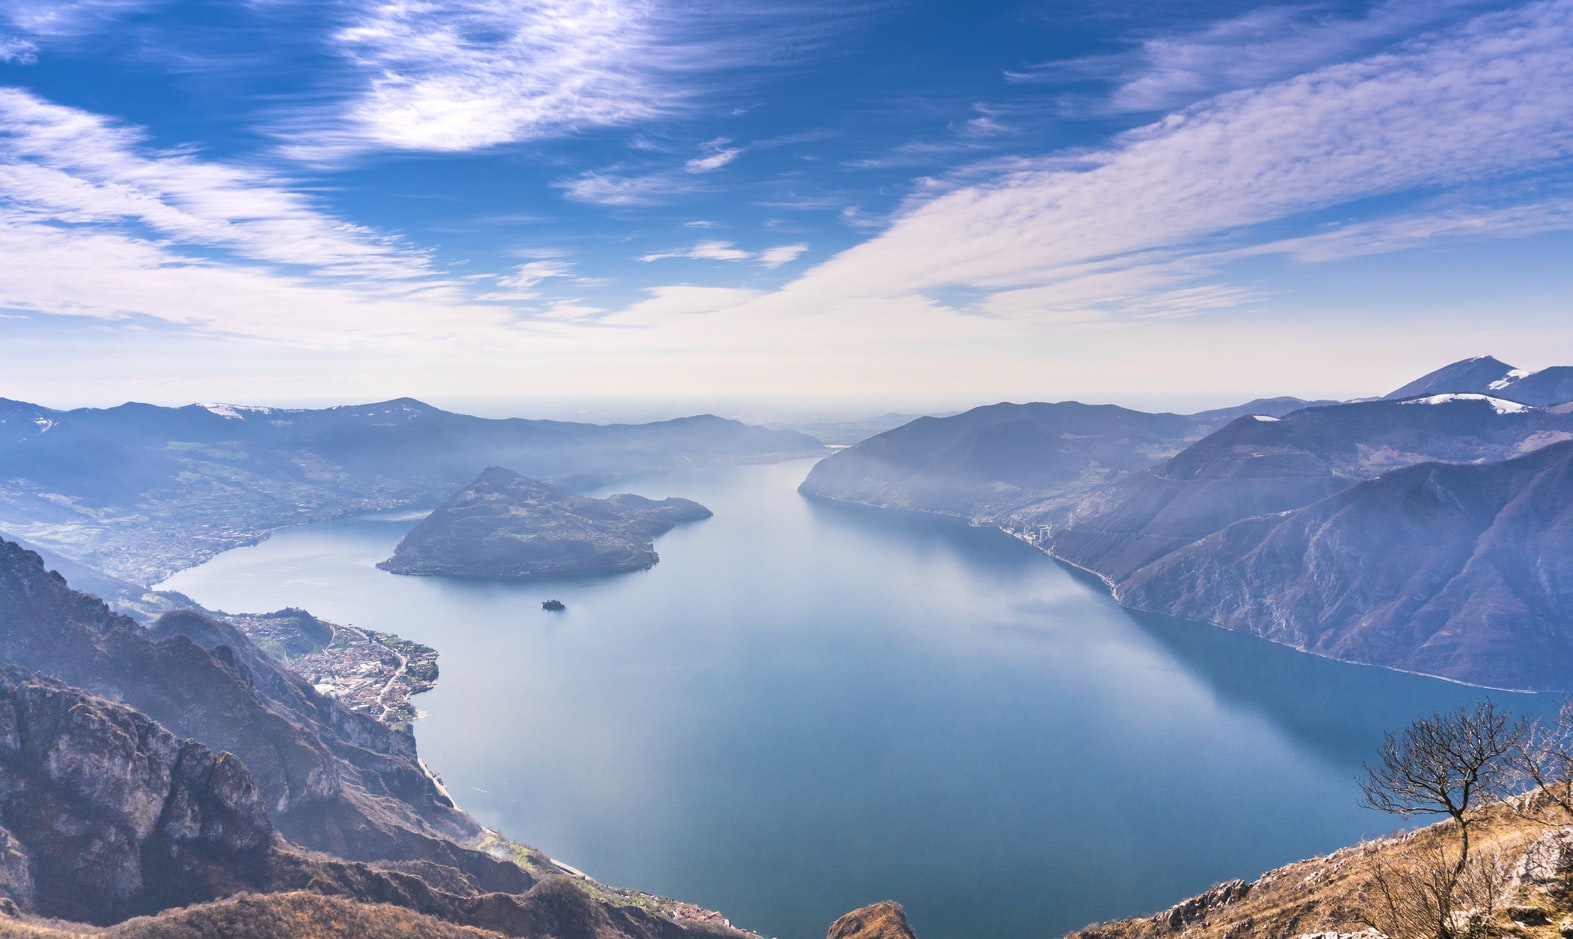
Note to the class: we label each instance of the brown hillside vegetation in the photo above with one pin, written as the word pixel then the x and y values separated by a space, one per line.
pixel 296 915
pixel 883 920
pixel 1521 887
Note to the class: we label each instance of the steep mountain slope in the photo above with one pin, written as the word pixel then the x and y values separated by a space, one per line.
pixel 1255 467
pixel 1438 568
pixel 105 814
pixel 331 779
pixel 507 525
pixel 139 491
pixel 1475 376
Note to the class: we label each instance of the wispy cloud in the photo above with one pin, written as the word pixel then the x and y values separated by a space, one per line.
pixel 64 165
pixel 715 154
pixel 67 18
pixel 95 222
pixel 771 258
pixel 528 275
pixel 471 74
pixel 1487 100
pixel 17 51
pixel 618 187
pixel 1259 47
pixel 1412 229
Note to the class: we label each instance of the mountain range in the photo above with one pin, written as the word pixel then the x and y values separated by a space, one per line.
pixel 1298 521
pixel 138 492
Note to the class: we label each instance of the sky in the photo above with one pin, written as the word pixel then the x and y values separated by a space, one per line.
pixel 547 206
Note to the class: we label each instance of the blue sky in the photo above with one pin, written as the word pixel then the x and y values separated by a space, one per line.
pixel 894 204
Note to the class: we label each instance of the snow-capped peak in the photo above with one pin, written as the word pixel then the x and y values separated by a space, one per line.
pixel 1501 406
pixel 235 412
pixel 1516 374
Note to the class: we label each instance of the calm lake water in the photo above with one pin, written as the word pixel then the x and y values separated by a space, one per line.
pixel 804 708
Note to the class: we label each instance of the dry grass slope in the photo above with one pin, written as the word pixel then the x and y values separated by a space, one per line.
pixel 1522 887
pixel 296 915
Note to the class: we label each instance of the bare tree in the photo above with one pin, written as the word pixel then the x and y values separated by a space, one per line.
pixel 1445 764
pixel 1544 762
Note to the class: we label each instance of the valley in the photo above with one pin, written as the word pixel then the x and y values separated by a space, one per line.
pixel 780 648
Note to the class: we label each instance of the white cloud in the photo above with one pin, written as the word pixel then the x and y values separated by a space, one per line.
pixel 784 254
pixel 1492 98
pixel 528 275
pixel 1254 49
pixel 464 75
pixel 703 251
pixel 716 155
pixel 95 223
pixel 726 251
pixel 613 186
pixel 60 164
pixel 110 275
pixel 67 18
pixel 1410 230
pixel 17 51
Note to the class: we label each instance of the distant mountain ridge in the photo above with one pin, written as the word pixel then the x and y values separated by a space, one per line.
pixel 139 491
pixel 997 457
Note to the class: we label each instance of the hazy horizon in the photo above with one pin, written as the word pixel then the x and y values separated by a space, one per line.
pixel 762 409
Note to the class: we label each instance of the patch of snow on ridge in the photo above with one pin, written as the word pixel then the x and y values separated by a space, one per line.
pixel 1264 418
pixel 44 424
pixel 235 412
pixel 1515 375
pixel 1502 407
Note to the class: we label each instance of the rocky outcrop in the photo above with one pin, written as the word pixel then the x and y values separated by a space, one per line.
pixel 883 920
pixel 506 525
pixel 106 814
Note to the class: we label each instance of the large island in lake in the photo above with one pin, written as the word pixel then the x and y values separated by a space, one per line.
pixel 507 525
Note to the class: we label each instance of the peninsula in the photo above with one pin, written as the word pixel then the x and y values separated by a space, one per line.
pixel 507 525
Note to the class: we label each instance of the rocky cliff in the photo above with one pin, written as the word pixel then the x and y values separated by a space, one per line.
pixel 106 814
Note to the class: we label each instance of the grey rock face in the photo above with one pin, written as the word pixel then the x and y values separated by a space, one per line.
pixel 107 814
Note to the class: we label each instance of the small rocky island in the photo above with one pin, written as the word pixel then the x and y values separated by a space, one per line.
pixel 507 525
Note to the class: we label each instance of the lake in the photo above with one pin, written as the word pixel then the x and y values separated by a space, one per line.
pixel 805 707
